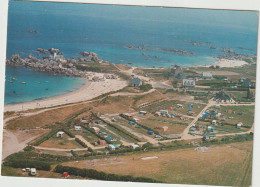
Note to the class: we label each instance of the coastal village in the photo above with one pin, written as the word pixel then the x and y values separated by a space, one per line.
pixel 128 121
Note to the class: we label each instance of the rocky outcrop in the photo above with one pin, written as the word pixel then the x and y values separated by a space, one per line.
pixel 46 65
pixel 91 56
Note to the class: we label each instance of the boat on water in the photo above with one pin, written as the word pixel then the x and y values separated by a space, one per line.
pixel 22 82
pixel 46 88
pixel 13 79
pixel 10 81
pixel 38 82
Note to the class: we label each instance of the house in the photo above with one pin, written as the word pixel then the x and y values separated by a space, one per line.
pixel 176 70
pixel 239 125
pixel 102 142
pixel 59 134
pixel 112 147
pixel 136 82
pixel 188 83
pixel 206 75
pixel 77 128
pixel 96 129
pixel 134 146
pixel 33 171
pixel 247 83
pixel 222 95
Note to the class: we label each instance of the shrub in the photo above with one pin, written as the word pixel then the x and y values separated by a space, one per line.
pixel 29 148
pixel 146 87
pixel 94 174
pixel 81 143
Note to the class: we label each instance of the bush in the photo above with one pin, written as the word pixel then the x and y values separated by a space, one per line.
pixel 68 132
pixel 94 174
pixel 29 148
pixel 88 68
pixel 46 137
pixel 81 143
pixel 146 87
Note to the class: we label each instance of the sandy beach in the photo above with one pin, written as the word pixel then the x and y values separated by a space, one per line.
pixel 89 91
pixel 230 63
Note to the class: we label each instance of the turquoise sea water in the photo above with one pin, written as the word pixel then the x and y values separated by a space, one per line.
pixel 39 85
pixel 109 30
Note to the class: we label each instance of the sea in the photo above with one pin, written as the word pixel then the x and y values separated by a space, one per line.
pixel 109 30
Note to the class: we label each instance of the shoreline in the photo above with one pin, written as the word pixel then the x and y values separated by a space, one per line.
pixel 224 63
pixel 94 89
pixel 87 92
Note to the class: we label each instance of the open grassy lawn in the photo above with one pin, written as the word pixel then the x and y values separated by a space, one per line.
pixel 227 165
pixel 126 137
pixel 89 136
pixel 241 96
pixel 65 142
pixel 247 117
pixel 108 133
pixel 125 122
pixel 44 119
pixel 164 105
pixel 175 125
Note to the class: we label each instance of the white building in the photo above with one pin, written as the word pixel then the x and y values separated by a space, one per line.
pixel 112 147
pixel 206 75
pixel 77 128
pixel 188 83
pixel 134 146
pixel 59 134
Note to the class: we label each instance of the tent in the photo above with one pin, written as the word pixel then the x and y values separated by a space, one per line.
pixel 170 108
pixel 190 105
pixel 109 137
pixel 150 132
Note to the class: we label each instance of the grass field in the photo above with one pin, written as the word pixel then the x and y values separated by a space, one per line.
pixel 164 105
pixel 44 119
pixel 228 164
pixel 64 142
pixel 247 117
pixel 175 125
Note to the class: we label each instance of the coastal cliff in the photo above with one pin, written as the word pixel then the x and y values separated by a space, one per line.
pixel 56 63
